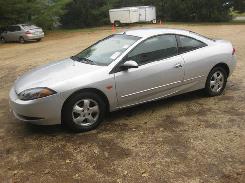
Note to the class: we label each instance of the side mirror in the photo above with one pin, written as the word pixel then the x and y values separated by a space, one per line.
pixel 129 64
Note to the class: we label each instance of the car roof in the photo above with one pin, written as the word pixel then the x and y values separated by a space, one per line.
pixel 145 33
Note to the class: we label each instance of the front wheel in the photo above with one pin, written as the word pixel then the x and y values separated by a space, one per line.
pixel 83 112
pixel 216 81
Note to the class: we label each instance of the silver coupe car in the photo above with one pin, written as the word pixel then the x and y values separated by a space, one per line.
pixel 119 71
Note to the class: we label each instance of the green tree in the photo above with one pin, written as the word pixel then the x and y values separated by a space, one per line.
pixel 85 13
pixel 44 13
pixel 238 5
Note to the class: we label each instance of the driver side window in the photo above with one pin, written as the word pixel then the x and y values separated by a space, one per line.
pixel 154 49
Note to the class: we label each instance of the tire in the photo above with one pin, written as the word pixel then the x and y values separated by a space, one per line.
pixel 38 40
pixel 21 40
pixel 153 21
pixel 117 23
pixel 3 40
pixel 216 82
pixel 79 110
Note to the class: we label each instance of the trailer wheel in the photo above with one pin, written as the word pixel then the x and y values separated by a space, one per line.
pixel 154 21
pixel 117 23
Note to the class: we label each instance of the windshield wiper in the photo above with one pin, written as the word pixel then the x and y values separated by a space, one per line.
pixel 83 60
pixel 75 58
pixel 87 60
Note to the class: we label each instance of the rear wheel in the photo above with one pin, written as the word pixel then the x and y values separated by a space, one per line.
pixel 117 23
pixel 216 81
pixel 153 21
pixel 83 112
pixel 3 40
pixel 21 40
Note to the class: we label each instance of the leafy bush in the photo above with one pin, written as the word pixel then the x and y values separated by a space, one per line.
pixel 86 13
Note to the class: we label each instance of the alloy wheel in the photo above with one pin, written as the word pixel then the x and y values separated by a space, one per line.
pixel 85 112
pixel 217 82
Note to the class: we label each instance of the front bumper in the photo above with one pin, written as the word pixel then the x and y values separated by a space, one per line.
pixel 43 111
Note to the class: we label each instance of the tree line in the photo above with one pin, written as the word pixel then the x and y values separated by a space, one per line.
pixel 86 13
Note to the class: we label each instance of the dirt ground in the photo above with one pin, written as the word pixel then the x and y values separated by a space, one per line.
pixel 188 138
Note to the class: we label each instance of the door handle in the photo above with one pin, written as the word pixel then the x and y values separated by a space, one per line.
pixel 178 65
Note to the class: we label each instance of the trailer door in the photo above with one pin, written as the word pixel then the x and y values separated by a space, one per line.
pixel 142 14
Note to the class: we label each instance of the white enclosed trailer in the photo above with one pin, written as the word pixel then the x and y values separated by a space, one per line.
pixel 132 14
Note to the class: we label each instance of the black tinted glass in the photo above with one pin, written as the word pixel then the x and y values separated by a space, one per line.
pixel 188 44
pixel 14 28
pixel 17 28
pixel 11 28
pixel 153 49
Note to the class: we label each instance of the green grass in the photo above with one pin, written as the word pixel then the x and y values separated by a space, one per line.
pixel 236 14
pixel 241 14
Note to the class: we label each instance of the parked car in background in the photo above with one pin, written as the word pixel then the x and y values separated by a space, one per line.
pixel 135 14
pixel 21 33
pixel 122 70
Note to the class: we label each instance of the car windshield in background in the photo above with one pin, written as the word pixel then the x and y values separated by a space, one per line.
pixel 107 50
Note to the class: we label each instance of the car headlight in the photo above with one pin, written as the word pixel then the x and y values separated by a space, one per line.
pixel 35 93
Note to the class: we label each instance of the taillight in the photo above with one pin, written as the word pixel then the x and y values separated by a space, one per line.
pixel 28 32
pixel 234 51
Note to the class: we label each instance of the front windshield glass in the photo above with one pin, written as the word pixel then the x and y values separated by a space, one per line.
pixel 107 50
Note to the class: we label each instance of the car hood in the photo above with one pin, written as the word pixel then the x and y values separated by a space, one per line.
pixel 52 74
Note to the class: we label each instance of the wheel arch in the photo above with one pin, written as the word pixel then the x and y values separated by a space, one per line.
pixel 93 90
pixel 224 66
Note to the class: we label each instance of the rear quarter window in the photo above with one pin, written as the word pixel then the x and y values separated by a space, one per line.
pixel 187 44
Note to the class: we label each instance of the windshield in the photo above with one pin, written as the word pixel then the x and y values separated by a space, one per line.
pixel 107 50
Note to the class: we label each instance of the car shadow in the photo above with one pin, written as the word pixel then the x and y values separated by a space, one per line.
pixel 154 105
pixel 18 43
pixel 50 130
pixel 113 117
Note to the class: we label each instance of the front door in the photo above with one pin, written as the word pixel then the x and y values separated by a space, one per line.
pixel 159 74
